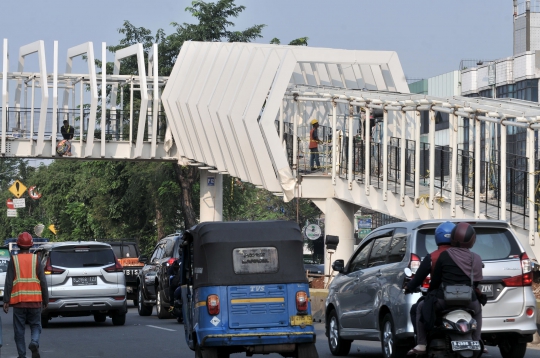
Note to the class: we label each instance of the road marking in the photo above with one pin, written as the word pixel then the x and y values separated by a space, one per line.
pixel 165 329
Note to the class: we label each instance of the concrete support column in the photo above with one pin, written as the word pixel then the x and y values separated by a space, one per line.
pixel 339 221
pixel 211 196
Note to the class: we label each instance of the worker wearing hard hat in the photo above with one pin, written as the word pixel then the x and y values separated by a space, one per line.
pixel 314 145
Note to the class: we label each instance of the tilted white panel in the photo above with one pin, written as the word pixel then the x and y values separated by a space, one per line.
pixel 350 76
pixel 387 75
pixel 334 74
pixel 324 78
pixel 170 95
pixel 379 79
pixel 310 76
pixel 367 75
pixel 358 73
pixel 297 77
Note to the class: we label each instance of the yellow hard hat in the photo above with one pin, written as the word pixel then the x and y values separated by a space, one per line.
pixel 314 121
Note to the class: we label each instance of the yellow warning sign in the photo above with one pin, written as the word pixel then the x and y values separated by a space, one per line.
pixel 17 188
pixel 52 229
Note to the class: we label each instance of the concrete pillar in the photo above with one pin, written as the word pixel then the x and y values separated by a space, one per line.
pixel 339 221
pixel 211 196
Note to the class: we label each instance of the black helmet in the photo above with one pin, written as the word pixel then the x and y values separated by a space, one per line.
pixel 463 235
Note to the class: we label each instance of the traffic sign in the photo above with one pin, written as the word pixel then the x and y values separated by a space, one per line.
pixel 19 203
pixel 9 204
pixel 32 191
pixel 210 181
pixel 17 188
pixel 12 213
pixel 52 229
pixel 312 231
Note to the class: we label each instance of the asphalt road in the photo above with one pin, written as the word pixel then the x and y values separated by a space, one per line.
pixel 144 337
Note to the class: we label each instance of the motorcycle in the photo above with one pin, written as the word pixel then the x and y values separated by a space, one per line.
pixel 452 334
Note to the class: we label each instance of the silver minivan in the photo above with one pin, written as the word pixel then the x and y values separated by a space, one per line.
pixel 84 279
pixel 366 302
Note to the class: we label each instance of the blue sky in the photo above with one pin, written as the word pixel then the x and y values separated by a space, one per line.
pixel 430 36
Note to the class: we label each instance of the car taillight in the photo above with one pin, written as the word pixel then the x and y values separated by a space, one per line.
pixel 171 261
pixel 426 282
pixel 119 298
pixel 301 301
pixel 526 277
pixel 51 270
pixel 415 263
pixel 53 299
pixel 117 267
pixel 529 311
pixel 212 305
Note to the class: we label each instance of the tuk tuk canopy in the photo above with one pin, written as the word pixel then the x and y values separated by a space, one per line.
pixel 247 253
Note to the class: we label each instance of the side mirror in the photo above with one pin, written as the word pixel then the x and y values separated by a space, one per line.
pixel 338 265
pixel 407 272
pixel 143 259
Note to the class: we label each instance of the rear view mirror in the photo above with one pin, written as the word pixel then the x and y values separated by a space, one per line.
pixel 143 259
pixel 338 265
pixel 407 272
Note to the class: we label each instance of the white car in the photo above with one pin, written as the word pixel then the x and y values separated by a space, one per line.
pixel 4 261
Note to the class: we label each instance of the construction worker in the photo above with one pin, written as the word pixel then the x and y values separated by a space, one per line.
pixel 314 145
pixel 26 290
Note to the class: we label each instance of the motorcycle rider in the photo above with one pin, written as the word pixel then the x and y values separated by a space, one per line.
pixel 443 235
pixel 453 267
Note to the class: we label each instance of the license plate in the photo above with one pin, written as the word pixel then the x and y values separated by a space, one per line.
pixel 486 290
pixel 129 272
pixel 306 320
pixel 465 345
pixel 85 280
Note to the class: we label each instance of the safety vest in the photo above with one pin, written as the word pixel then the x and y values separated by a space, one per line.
pixel 312 142
pixel 435 256
pixel 26 285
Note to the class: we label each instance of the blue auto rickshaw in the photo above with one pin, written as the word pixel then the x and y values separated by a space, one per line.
pixel 244 289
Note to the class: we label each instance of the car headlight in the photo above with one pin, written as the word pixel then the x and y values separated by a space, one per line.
pixel 448 324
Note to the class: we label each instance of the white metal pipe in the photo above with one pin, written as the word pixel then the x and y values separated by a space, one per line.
pixel 385 155
pixel 156 103
pixel 431 158
pixel 443 109
pixel 131 117
pixel 295 140
pixel 531 186
pixel 81 118
pixel 31 132
pixel 454 125
pixel 334 142
pixel 417 128
pixel 55 99
pixel 402 164
pixel 350 151
pixel 477 175
pixel 5 67
pixel 502 165
pixel 367 153
pixel 103 96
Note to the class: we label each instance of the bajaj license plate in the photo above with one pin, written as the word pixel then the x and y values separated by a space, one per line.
pixel 84 280
pixel 301 320
pixel 465 345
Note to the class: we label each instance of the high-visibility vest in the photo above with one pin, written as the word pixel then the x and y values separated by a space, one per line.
pixel 312 142
pixel 26 285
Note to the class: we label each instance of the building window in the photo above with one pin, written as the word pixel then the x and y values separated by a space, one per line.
pixel 526 90
pixel 442 121
pixel 485 93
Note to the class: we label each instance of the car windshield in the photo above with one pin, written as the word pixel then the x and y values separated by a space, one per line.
pixel 82 257
pixel 491 243
pixel 124 251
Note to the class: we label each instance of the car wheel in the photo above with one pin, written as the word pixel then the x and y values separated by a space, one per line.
pixel 160 305
pixel 390 345
pixel 100 317
pixel 510 348
pixel 44 321
pixel 198 353
pixel 144 310
pixel 337 345
pixel 119 319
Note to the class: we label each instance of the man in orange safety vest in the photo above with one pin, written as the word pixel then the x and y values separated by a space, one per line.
pixel 314 145
pixel 26 290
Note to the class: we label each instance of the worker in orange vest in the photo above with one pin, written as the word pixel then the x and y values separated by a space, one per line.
pixel 26 290
pixel 314 145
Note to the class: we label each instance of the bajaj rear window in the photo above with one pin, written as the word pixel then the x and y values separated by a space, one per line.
pixel 124 251
pixel 491 243
pixel 250 260
pixel 82 257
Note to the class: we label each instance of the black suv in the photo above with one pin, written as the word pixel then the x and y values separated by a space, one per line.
pixel 127 252
pixel 153 279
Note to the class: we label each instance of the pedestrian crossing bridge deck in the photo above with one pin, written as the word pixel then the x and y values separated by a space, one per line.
pixel 244 109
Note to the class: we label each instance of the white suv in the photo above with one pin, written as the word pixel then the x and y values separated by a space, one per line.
pixel 84 278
